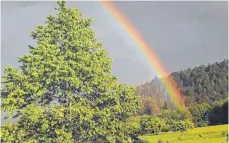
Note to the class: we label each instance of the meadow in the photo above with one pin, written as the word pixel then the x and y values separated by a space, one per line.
pixel 210 134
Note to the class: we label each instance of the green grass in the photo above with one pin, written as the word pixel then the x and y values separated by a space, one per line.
pixel 211 134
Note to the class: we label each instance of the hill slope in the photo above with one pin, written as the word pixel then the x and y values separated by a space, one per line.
pixel 206 83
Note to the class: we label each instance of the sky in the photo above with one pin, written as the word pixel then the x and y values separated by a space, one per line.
pixel 183 34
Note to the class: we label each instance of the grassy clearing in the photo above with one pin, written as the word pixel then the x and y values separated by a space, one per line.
pixel 211 134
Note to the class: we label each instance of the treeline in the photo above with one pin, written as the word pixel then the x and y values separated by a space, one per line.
pixel 142 125
pixel 215 113
pixel 204 89
pixel 205 83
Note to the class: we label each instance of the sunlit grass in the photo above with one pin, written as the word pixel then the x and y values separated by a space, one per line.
pixel 211 134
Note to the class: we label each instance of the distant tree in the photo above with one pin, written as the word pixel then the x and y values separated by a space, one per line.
pixel 225 113
pixel 149 106
pixel 218 113
pixel 178 114
pixel 64 91
pixel 204 83
pixel 215 115
pixel 199 113
pixel 165 106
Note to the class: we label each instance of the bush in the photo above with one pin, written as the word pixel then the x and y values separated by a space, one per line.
pixel 180 125
pixel 160 141
pixel 133 127
pixel 141 125
pixel 199 114
pixel 178 114
pixel 152 125
pixel 223 133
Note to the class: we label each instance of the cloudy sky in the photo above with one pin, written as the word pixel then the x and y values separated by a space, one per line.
pixel 183 34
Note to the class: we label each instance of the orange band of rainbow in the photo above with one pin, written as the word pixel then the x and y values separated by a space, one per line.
pixel 168 83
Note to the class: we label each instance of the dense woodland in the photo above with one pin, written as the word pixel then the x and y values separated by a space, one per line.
pixel 204 89
pixel 205 83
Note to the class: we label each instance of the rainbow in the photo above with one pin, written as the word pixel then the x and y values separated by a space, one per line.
pixel 169 83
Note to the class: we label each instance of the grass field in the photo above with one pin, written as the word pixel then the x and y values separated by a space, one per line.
pixel 211 134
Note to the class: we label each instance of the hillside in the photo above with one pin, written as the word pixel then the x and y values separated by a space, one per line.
pixel 206 83
pixel 204 89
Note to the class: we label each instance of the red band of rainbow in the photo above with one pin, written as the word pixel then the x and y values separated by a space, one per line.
pixel 161 71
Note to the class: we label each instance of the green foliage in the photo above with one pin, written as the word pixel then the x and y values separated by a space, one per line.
pixel 204 83
pixel 152 125
pixel 200 84
pixel 209 114
pixel 173 115
pixel 202 88
pixel 64 91
pixel 180 125
pixel 133 127
pixel 218 113
pixel 199 114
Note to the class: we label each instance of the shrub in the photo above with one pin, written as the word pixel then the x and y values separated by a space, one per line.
pixel 141 125
pixel 152 125
pixel 160 141
pixel 199 114
pixel 180 125
pixel 223 133
pixel 178 114
pixel 133 127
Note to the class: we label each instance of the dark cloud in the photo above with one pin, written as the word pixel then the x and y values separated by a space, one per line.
pixel 183 34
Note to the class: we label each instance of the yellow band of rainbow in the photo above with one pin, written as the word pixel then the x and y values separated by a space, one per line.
pixel 169 83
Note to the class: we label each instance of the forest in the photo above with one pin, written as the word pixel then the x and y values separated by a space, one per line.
pixel 204 89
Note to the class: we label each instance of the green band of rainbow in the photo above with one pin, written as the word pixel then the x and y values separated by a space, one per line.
pixel 169 83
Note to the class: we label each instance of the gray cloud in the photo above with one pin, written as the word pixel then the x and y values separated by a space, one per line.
pixel 183 34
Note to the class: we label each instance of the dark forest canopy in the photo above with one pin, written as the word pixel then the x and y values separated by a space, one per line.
pixel 204 89
pixel 205 83
pixel 200 84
